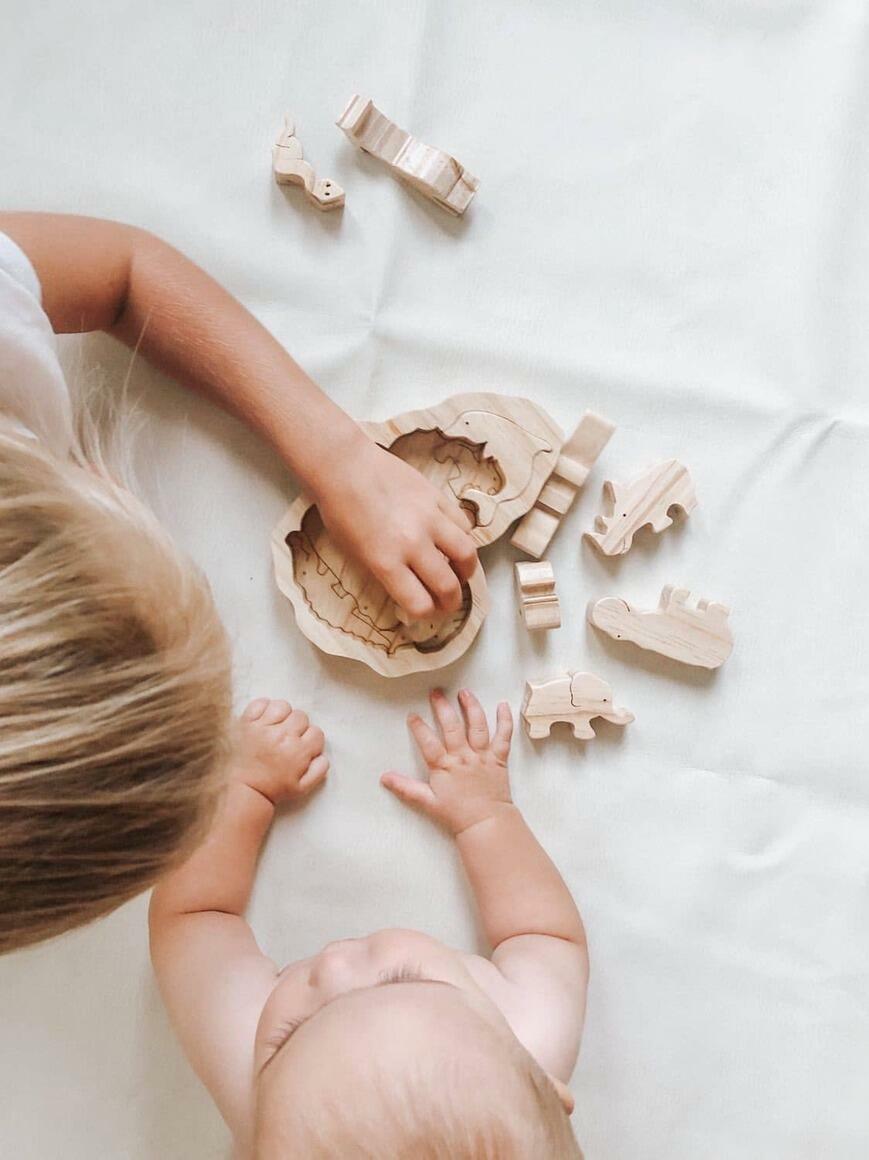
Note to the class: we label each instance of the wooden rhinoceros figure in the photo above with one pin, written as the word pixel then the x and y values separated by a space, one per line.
pixel 574 698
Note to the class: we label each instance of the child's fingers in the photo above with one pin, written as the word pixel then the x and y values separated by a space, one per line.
pixel 410 791
pixel 452 727
pixel 503 732
pixel 275 712
pixel 456 513
pixel 313 739
pixel 428 742
pixel 408 593
pixel 433 569
pixel 298 722
pixel 255 709
pixel 458 547
pixel 478 727
pixel 315 774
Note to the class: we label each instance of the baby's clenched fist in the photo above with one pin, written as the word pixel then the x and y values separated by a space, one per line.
pixel 280 753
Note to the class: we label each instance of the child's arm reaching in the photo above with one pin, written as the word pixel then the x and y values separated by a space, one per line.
pixel 100 275
pixel 527 911
pixel 212 975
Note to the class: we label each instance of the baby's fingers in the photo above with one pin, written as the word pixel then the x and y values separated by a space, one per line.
pixel 410 791
pixel 427 741
pixel 315 774
pixel 452 727
pixel 503 732
pixel 478 727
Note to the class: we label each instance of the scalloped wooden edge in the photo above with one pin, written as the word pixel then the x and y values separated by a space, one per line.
pixel 327 638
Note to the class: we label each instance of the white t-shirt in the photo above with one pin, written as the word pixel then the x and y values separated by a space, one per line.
pixel 33 389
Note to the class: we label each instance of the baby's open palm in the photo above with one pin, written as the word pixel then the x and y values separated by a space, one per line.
pixel 467 770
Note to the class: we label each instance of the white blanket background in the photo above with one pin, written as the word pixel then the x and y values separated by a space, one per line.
pixel 671 229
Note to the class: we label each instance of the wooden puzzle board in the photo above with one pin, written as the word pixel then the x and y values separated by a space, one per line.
pixel 492 453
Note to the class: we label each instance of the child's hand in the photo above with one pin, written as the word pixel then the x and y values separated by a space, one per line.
pixel 467 773
pixel 409 535
pixel 279 754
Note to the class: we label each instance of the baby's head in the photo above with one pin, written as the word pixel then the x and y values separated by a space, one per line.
pixel 386 1046
pixel 114 695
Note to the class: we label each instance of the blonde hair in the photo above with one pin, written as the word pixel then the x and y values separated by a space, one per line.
pixel 491 1103
pixel 114 693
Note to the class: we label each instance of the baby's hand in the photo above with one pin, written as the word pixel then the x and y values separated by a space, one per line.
pixel 280 754
pixel 467 773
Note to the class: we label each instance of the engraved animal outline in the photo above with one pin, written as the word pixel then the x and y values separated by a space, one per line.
pixel 382 638
pixel 488 504
pixel 390 637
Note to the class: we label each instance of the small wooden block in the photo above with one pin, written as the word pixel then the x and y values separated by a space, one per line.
pixel 290 168
pixel 574 698
pixel 433 172
pixel 538 600
pixel 578 455
pixel 647 499
pixel 698 635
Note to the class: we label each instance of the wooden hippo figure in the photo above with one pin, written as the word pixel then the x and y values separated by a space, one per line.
pixel 573 698
pixel 698 635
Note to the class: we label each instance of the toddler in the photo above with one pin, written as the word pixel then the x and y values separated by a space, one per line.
pixel 115 723
pixel 394 1045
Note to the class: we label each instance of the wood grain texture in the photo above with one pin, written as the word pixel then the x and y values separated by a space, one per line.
pixel 573 698
pixel 647 499
pixel 538 600
pixel 491 453
pixel 578 455
pixel 431 171
pixel 695 635
pixel 290 168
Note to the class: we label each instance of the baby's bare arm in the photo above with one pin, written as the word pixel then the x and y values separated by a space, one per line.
pixel 527 911
pixel 212 975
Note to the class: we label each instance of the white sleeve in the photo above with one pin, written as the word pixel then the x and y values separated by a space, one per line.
pixel 33 390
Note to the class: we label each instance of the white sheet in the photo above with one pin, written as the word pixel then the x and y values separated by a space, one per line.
pixel 671 229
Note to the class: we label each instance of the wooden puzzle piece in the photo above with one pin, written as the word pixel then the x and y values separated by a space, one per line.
pixel 574 698
pixel 487 445
pixel 578 455
pixel 433 172
pixel 698 635
pixel 495 454
pixel 290 168
pixel 647 499
pixel 538 600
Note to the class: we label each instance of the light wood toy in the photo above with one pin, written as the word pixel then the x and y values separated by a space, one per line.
pixel 574 698
pixel 578 455
pixel 538 600
pixel 698 635
pixel 433 172
pixel 645 500
pixel 290 168
pixel 490 452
